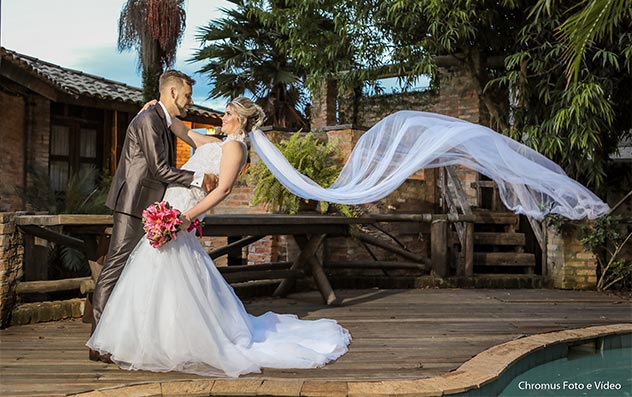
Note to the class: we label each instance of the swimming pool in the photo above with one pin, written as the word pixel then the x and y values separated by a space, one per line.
pixel 586 371
pixel 591 361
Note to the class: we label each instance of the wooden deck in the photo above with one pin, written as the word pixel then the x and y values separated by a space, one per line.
pixel 397 334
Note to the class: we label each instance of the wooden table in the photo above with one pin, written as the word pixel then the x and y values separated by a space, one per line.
pixel 309 231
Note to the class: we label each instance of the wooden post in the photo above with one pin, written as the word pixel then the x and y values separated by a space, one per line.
pixel 307 251
pixel 468 250
pixel 114 143
pixel 34 263
pixel 439 246
pixel 322 282
pixel 234 256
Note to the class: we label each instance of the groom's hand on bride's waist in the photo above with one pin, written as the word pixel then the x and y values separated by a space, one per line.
pixel 210 182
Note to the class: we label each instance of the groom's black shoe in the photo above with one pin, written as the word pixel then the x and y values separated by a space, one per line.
pixel 94 355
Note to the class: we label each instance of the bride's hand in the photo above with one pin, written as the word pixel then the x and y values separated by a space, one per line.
pixel 148 105
pixel 186 221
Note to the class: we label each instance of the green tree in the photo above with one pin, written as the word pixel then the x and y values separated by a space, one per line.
pixel 592 21
pixel 576 121
pixel 242 57
pixel 153 28
pixel 515 52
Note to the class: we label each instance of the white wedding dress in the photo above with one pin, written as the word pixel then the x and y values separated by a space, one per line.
pixel 171 310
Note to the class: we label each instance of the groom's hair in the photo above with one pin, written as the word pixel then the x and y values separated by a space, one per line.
pixel 174 75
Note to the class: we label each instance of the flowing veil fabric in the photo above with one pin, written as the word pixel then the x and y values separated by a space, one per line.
pixel 407 141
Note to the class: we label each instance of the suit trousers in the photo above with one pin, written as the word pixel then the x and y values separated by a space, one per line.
pixel 127 230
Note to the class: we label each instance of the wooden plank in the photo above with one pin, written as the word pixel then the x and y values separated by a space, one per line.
pixel 263 275
pixel 63 219
pixel 31 287
pixel 483 184
pixel 439 247
pixel 491 238
pixel 468 250
pixel 274 229
pixel 498 218
pixel 388 247
pixel 261 267
pixel 377 265
pixel 504 259
pixel 234 246
pixel 427 218
pixel 282 219
pixel 397 334
pixel 54 237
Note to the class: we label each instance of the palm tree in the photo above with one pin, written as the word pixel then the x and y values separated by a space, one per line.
pixel 154 28
pixel 591 21
pixel 242 57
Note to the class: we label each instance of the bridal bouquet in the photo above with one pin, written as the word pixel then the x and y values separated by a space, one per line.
pixel 161 222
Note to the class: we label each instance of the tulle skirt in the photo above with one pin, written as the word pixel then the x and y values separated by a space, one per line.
pixel 171 310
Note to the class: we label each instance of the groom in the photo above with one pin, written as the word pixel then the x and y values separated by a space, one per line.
pixel 146 166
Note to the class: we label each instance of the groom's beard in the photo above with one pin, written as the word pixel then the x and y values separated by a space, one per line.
pixel 182 110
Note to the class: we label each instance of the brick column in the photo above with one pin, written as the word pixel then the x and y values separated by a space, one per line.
pixel 324 106
pixel 344 137
pixel 11 253
pixel 569 265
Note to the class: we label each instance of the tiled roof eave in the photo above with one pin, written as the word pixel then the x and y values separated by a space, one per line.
pixel 78 84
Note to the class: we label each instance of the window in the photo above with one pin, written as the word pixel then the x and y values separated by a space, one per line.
pixel 395 85
pixel 75 145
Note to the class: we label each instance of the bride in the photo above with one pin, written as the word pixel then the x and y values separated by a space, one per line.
pixel 171 309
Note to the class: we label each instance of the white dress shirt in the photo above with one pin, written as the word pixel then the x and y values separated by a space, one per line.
pixel 198 176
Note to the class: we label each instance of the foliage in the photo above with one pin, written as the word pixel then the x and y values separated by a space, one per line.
pixel 154 28
pixel 353 41
pixel 66 262
pixel 592 20
pixel 242 55
pixel 577 125
pixel 317 160
pixel 80 196
pixel 606 238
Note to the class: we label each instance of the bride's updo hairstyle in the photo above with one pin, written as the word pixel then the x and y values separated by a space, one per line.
pixel 249 114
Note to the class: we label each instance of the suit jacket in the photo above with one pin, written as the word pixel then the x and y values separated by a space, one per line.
pixel 147 164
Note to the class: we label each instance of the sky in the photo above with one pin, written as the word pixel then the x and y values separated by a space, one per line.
pixel 82 35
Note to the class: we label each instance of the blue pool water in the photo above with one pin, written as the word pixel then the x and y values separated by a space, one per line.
pixel 605 373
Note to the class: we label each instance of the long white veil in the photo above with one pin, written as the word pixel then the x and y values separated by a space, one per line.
pixel 406 141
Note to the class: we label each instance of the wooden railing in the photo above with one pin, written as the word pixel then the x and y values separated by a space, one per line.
pixel 52 228
pixel 455 201
pixel 454 197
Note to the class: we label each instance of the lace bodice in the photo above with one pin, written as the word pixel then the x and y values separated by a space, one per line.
pixel 206 159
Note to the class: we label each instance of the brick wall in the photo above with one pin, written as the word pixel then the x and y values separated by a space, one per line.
pixel 183 152
pixel 38 134
pixel 11 151
pixel 457 96
pixel 569 265
pixel 11 252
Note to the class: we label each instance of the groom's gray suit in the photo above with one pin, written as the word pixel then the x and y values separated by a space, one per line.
pixel 146 167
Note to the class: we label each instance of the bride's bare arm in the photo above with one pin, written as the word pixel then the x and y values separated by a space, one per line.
pixel 233 159
pixel 189 136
